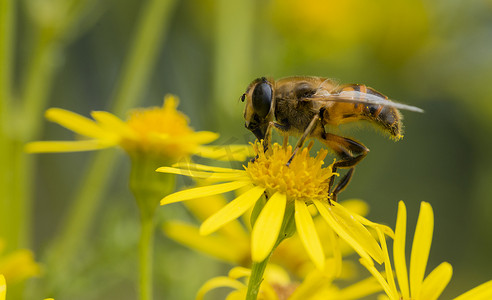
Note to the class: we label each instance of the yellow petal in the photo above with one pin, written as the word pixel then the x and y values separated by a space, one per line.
pixel 204 207
pixel 237 295
pixel 207 175
pixel 19 265
pixel 3 287
pixel 436 281
pixel 327 214
pixel 171 102
pixel 387 264
pixel 420 248
pixel 203 191
pixel 481 292
pixel 232 210
pixel 66 146
pixel 193 166
pixel 112 123
pixel 313 282
pixel 309 236
pixel 75 122
pixel 356 206
pixel 218 282
pixel 215 246
pixel 226 153
pixel 370 267
pixel 267 227
pixel 399 250
pixel 385 229
pixel 363 236
pixel 336 251
pixel 360 289
pixel 353 232
pixel 239 272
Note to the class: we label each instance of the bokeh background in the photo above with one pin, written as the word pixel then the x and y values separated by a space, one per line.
pixel 75 54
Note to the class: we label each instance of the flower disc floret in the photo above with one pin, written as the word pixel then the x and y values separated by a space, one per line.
pixel 303 179
pixel 163 130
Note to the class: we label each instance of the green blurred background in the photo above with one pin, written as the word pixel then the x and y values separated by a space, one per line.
pixel 436 55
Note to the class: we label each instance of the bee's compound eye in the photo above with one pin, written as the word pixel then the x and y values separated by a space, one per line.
pixel 262 99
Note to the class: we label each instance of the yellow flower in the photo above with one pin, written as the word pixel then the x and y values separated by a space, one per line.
pixel 231 243
pixel 413 285
pixel 162 131
pixel 3 288
pixel 278 285
pixel 298 185
pixel 321 29
pixel 18 265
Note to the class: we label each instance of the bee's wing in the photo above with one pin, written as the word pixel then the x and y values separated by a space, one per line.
pixel 359 97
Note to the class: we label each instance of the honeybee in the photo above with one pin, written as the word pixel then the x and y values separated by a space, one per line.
pixel 303 106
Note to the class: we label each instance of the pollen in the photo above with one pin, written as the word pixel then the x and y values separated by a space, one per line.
pixel 303 179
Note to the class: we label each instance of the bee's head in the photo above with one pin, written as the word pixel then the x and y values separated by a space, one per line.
pixel 258 111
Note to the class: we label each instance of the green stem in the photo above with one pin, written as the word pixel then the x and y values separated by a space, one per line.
pixel 145 254
pixel 148 187
pixel 77 221
pixel 233 48
pixel 147 40
pixel 149 35
pixel 258 268
pixel 7 18
pixel 257 271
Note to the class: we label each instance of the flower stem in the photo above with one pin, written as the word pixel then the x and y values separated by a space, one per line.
pixel 145 255
pixel 258 268
pixel 257 271
pixel 147 40
pixel 148 187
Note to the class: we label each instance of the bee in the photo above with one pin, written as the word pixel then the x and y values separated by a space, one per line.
pixel 304 106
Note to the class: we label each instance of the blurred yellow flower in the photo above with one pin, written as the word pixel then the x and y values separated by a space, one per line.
pixel 18 265
pixel 162 131
pixel 298 185
pixel 3 288
pixel 413 285
pixel 277 285
pixel 231 243
pixel 329 29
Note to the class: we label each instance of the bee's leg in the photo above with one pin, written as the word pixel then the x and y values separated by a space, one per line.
pixel 285 141
pixel 350 152
pixel 268 136
pixel 266 140
pixel 307 132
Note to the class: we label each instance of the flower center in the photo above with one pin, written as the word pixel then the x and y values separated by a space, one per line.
pixel 159 120
pixel 304 179
pixel 161 130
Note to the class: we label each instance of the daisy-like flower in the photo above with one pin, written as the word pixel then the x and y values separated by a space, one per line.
pixel 290 188
pixel 231 243
pixel 278 285
pixel 159 131
pixel 18 265
pixel 413 285
pixel 3 288
pixel 151 137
